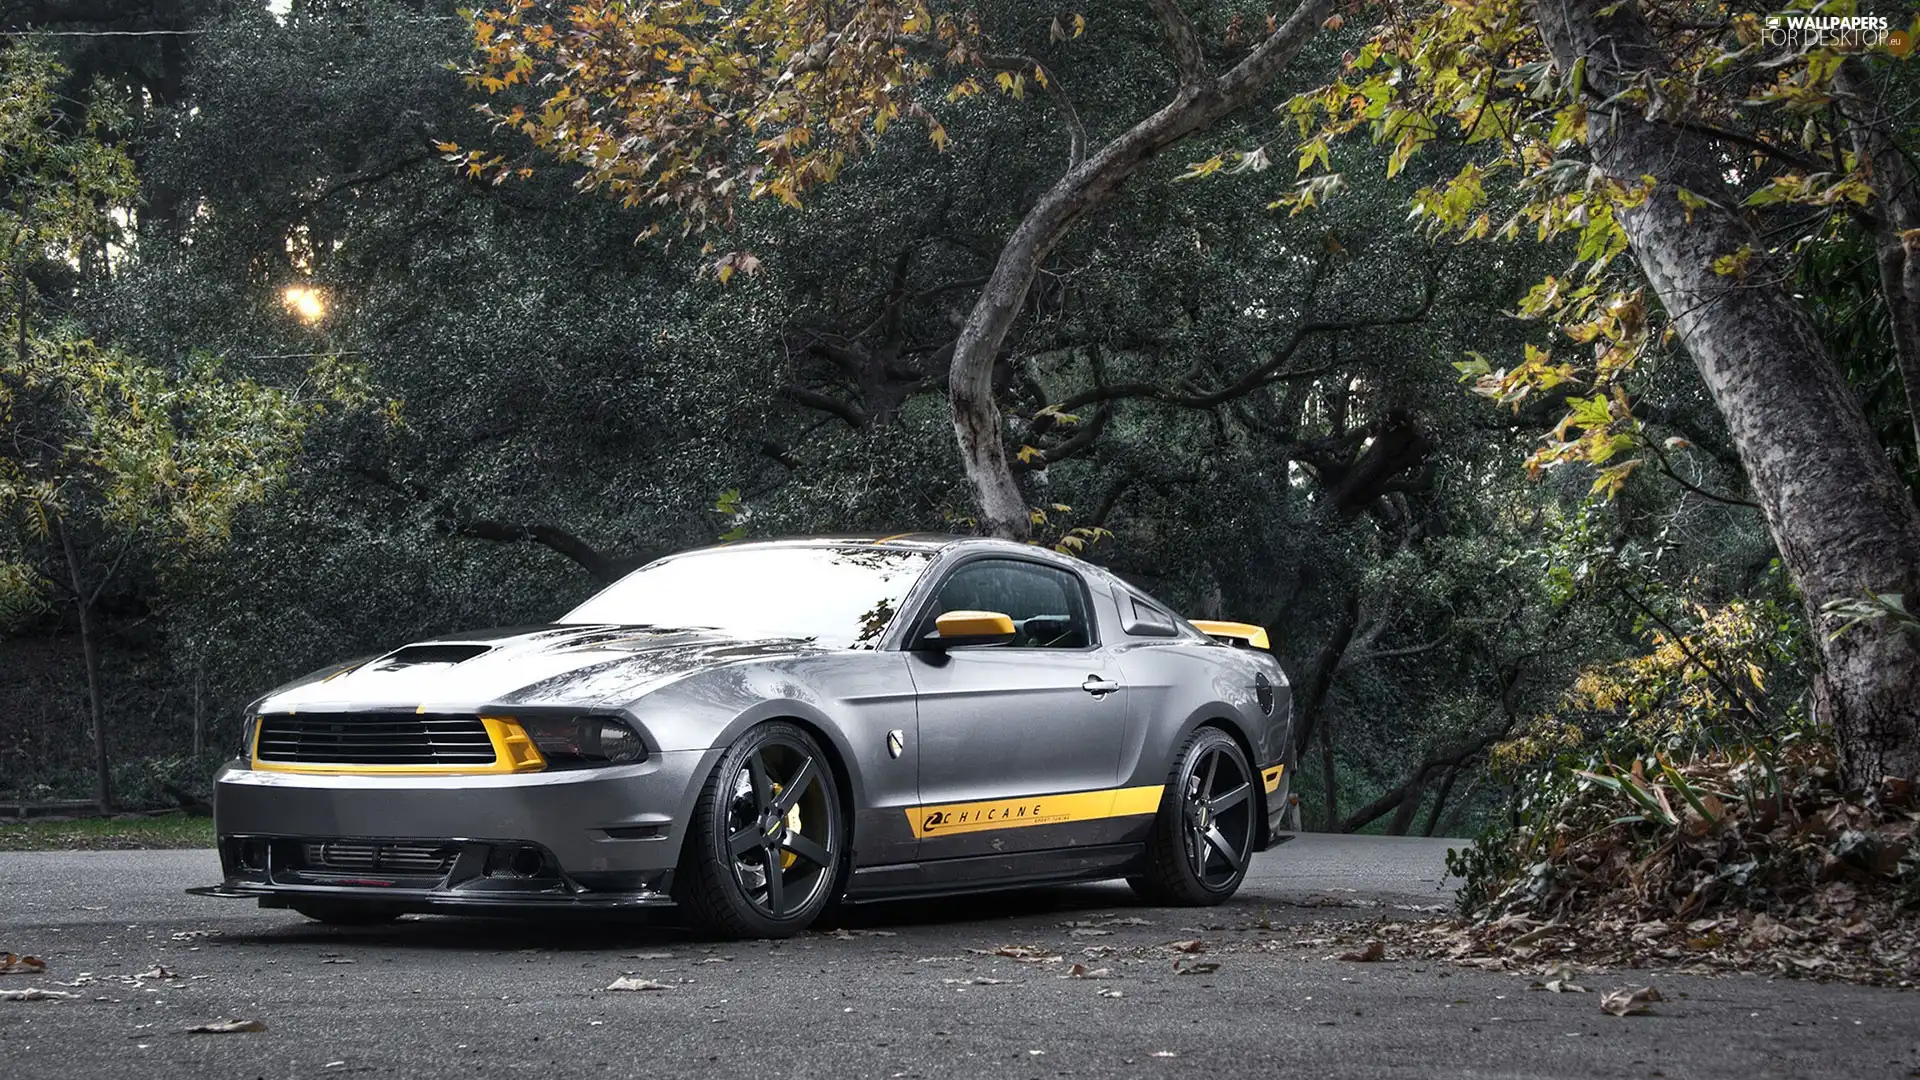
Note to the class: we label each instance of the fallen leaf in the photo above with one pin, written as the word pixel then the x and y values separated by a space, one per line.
pixel 1371 952
pixel 13 964
pixel 1110 992
pixel 629 982
pixel 1194 945
pixel 1197 967
pixel 1629 1002
pixel 1087 931
pixel 978 980
pixel 1025 954
pixel 647 956
pixel 845 934
pixel 1081 971
pixel 35 993
pixel 227 1027
pixel 1558 986
pixel 157 972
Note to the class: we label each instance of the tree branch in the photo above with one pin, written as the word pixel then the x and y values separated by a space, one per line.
pixel 1183 40
pixel 454 521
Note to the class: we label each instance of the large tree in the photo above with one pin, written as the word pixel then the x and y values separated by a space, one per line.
pixel 1713 154
pixel 687 106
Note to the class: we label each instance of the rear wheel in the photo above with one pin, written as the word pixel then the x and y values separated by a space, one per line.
pixel 764 852
pixel 1202 838
pixel 345 912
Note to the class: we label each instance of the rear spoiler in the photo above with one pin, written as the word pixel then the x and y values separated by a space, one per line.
pixel 1234 633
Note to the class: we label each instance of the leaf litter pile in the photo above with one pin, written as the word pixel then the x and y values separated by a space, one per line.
pixel 1714 865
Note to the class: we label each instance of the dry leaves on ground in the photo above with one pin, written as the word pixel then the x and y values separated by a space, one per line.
pixel 227 1027
pixel 1081 971
pixel 1372 952
pixel 35 993
pixel 1632 1001
pixel 1024 954
pixel 1558 980
pixel 1781 869
pixel 15 964
pixel 632 982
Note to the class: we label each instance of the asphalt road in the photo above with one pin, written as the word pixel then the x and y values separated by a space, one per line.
pixel 898 993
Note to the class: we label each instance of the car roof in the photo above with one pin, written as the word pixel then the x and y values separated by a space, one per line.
pixel 920 541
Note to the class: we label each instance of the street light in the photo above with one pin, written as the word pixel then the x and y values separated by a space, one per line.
pixel 307 303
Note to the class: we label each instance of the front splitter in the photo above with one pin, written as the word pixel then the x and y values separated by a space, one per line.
pixel 420 901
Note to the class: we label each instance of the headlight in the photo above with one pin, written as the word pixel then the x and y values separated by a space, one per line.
pixel 584 740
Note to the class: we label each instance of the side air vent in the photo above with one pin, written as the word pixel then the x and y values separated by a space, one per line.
pixel 432 654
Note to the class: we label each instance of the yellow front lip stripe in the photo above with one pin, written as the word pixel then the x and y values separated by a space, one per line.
pixel 513 752
pixel 1024 811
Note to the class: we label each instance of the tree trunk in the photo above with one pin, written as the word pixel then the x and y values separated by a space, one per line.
pixel 1331 790
pixel 1200 101
pixel 1409 806
pixel 1326 663
pixel 1896 207
pixel 1837 511
pixel 1440 800
pixel 83 604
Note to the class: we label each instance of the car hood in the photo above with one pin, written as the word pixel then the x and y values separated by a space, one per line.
pixel 538 667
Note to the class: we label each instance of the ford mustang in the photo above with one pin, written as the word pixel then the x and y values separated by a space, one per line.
pixel 756 732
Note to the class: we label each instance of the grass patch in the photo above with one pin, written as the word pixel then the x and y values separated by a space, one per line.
pixel 106 834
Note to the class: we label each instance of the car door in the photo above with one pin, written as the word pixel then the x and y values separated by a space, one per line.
pixel 1019 742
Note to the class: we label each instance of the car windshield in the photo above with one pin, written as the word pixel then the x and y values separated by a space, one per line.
pixel 838 598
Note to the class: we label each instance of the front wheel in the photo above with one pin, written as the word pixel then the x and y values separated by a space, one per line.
pixel 767 840
pixel 1202 838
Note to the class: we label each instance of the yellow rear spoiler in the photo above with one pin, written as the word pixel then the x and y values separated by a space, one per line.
pixel 1234 633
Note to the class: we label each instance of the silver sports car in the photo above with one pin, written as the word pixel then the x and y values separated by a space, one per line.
pixel 754 732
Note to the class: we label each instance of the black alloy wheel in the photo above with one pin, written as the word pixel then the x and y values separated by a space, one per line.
pixel 765 852
pixel 1202 839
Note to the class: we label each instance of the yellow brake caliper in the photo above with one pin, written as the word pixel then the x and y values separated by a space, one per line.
pixel 788 858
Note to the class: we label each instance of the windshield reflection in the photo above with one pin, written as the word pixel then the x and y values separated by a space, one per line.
pixel 837 598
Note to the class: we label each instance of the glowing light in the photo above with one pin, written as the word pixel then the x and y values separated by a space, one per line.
pixel 308 304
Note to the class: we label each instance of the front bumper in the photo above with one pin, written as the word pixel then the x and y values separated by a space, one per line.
pixel 597 838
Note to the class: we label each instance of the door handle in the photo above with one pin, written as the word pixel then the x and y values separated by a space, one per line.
pixel 1098 686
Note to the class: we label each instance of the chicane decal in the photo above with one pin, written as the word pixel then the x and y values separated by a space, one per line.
pixel 1272 778
pixel 1033 810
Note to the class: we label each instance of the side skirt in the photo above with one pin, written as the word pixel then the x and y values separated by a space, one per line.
pixel 987 873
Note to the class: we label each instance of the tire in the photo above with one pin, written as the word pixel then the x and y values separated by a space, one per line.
pixel 767 844
pixel 345 912
pixel 1203 834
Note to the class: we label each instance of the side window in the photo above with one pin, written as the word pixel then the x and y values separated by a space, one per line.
pixel 1047 605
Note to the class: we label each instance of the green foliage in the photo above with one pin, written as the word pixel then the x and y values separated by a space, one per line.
pixel 1476 74
pixel 102 441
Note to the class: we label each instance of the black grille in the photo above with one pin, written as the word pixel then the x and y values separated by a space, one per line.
pixel 375 739
pixel 370 857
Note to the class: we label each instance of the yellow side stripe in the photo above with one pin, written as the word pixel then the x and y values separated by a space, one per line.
pixel 1021 812
pixel 513 752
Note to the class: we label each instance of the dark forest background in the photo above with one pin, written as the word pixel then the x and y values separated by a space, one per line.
pixel 542 402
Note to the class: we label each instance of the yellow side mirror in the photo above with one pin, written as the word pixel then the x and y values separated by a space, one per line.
pixel 957 628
